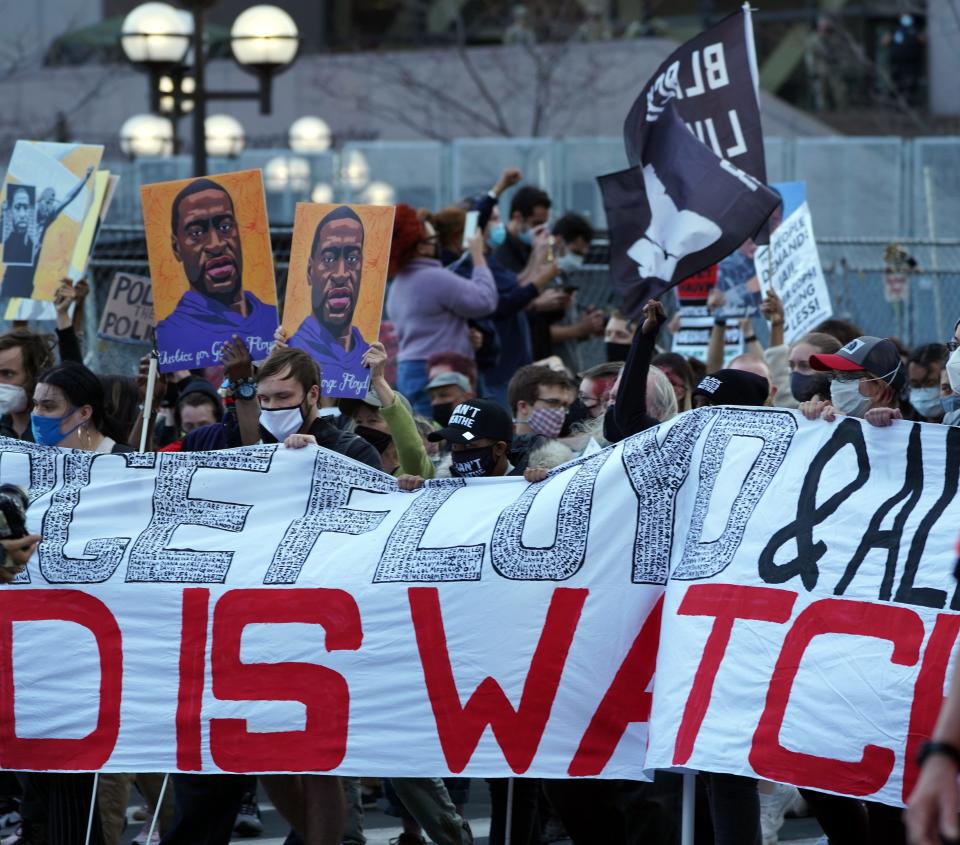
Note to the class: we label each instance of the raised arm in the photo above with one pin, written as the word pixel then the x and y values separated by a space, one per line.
pixel 73 194
pixel 629 411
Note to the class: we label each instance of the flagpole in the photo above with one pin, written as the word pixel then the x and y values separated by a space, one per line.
pixel 751 49
pixel 687 811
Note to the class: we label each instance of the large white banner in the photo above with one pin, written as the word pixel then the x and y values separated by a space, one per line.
pixel 276 610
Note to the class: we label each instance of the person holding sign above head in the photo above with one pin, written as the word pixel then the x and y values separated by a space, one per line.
pixel 333 274
pixel 867 377
pixel 205 239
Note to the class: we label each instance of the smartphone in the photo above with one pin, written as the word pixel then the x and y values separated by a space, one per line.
pixel 470 227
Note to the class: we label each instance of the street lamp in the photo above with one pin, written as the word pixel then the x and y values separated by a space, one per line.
pixel 354 170
pixel 309 135
pixel 322 193
pixel 169 42
pixel 224 136
pixel 379 193
pixel 146 135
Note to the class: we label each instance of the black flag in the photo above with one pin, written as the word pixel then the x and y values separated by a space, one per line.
pixel 712 81
pixel 677 212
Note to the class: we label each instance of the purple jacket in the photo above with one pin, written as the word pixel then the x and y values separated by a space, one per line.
pixel 430 307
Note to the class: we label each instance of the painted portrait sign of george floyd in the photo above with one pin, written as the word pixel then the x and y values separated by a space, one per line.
pixel 335 287
pixel 211 263
pixel 297 586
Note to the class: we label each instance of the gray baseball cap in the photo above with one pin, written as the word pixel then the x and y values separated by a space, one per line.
pixel 876 355
pixel 445 379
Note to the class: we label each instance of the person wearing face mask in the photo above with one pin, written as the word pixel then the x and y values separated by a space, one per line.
pixel 281 404
pixel 23 356
pixel 540 398
pixel 924 367
pixel 561 332
pixel 447 390
pixel 480 434
pixel 805 382
pixel 514 296
pixel 867 377
pixel 950 386
pixel 428 304
pixel 618 335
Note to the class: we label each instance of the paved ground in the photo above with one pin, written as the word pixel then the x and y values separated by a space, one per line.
pixel 381 828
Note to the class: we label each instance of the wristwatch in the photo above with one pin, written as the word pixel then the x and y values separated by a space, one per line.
pixel 245 388
pixel 932 747
pixel 750 339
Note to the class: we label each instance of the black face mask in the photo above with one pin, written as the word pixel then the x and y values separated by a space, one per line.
pixel 473 463
pixel 617 351
pixel 805 386
pixel 376 438
pixel 442 412
pixel 576 413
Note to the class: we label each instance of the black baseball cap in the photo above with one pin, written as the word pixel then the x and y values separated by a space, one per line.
pixel 875 355
pixel 474 420
pixel 734 387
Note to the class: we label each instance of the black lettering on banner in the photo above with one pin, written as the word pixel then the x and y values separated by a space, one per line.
pixel 150 557
pixel 656 471
pixel 334 479
pixel 101 556
pixel 876 537
pixel 809 514
pixel 907 593
pixel 514 560
pixel 403 558
pixel 776 430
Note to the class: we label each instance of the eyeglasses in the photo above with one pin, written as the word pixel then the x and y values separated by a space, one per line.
pixel 554 403
pixel 847 376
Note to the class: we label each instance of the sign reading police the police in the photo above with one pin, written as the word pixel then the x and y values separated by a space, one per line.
pixel 128 312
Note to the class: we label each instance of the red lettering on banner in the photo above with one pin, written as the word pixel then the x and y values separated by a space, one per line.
pixel 322 744
pixel 626 701
pixel 193 657
pixel 928 693
pixel 728 603
pixel 769 758
pixel 517 731
pixel 92 751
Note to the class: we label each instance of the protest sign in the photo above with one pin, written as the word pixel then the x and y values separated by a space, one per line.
pixel 695 322
pixel 90 226
pixel 48 191
pixel 211 264
pixel 316 619
pixel 128 312
pixel 29 309
pixel 335 286
pixel 791 266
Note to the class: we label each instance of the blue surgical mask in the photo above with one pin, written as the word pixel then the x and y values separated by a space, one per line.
pixel 46 430
pixel 926 400
pixel 526 236
pixel 497 234
pixel 570 263
pixel 950 403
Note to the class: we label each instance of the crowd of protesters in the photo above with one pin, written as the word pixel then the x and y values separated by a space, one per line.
pixel 490 334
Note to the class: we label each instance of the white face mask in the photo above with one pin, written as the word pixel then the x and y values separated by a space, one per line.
pixel 13 399
pixel 282 422
pixel 847 398
pixel 953 370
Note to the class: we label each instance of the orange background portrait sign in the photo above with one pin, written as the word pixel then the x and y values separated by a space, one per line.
pixel 377 235
pixel 197 324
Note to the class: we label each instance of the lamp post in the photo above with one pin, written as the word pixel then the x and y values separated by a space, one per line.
pixel 169 42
